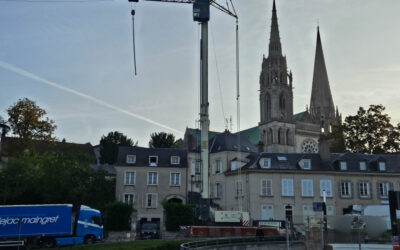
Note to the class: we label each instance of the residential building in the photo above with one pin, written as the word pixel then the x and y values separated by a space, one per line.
pixel 146 177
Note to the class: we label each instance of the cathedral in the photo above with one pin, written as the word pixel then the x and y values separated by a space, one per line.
pixel 279 130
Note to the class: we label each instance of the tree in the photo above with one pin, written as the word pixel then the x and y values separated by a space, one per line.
pixel 177 214
pixel 28 121
pixel 162 140
pixel 370 131
pixel 337 138
pixel 55 178
pixel 109 146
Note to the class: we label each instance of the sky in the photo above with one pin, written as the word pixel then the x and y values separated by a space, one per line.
pixel 75 59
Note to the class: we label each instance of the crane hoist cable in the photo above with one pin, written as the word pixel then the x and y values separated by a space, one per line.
pixel 133 38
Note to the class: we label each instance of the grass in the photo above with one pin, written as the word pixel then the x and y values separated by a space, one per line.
pixel 137 245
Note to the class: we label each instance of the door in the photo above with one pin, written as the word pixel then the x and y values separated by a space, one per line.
pixel 267 212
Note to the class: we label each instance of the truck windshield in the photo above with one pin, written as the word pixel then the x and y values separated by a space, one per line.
pixel 96 220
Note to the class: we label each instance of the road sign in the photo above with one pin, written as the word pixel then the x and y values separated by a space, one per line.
pixel 317 206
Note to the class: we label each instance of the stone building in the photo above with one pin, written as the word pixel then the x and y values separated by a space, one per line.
pixel 146 177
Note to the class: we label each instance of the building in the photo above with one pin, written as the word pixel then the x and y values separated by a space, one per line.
pixel 146 177
pixel 279 129
pixel 284 185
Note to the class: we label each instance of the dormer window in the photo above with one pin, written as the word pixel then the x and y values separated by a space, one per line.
pixel 343 165
pixel 363 166
pixel 265 163
pixel 175 160
pixel 233 165
pixel 153 161
pixel 382 166
pixel 305 164
pixel 131 159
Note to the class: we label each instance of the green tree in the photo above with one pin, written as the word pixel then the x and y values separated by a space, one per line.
pixel 370 131
pixel 177 214
pixel 109 146
pixel 58 177
pixel 337 138
pixel 117 216
pixel 162 140
pixel 28 121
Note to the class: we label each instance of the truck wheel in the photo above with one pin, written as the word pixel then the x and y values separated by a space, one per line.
pixel 90 240
pixel 49 243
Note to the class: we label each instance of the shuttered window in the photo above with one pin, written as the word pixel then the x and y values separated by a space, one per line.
pixel 287 187
pixel 307 189
pixel 327 186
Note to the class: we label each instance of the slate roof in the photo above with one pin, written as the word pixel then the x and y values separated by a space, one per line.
pixel 142 156
pixel 230 142
pixel 353 160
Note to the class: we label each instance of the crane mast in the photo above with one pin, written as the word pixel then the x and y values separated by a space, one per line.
pixel 201 13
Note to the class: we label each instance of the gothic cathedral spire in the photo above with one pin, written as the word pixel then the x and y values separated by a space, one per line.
pixel 322 108
pixel 277 128
pixel 275 47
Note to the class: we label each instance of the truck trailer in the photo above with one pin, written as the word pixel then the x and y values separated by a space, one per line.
pixel 49 225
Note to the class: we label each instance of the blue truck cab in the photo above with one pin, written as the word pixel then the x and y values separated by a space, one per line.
pixel 49 225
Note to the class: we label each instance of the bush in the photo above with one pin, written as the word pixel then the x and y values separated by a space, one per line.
pixel 177 214
pixel 117 216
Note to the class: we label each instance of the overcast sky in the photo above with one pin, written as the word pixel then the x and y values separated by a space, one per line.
pixel 75 60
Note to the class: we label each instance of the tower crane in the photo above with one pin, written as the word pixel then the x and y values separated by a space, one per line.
pixel 201 14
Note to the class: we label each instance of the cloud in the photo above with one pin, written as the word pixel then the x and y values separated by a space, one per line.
pixel 27 74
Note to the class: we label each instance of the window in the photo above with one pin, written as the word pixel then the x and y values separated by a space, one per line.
pixel 175 160
pixel 153 160
pixel 197 169
pixel 129 198
pixel 96 220
pixel 175 179
pixel 152 178
pixel 233 165
pixel 327 186
pixel 383 189
pixel 343 165
pixel 131 159
pixel 346 189
pixel 307 189
pixel 151 201
pixel 306 163
pixel 363 166
pixel 287 187
pixel 130 178
pixel 238 188
pixel 218 166
pixel 364 189
pixel 266 187
pixel 265 163
pixel 382 166
pixel 282 158
pixel 218 187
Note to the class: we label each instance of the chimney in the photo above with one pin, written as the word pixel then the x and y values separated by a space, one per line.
pixel 323 145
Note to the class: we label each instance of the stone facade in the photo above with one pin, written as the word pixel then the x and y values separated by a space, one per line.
pixel 146 183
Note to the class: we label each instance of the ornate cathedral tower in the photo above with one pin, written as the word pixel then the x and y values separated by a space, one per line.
pixel 277 129
pixel 322 109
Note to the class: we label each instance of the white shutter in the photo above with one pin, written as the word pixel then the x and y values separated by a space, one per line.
pixel 290 187
pixel 269 187
pixel 284 187
pixel 263 187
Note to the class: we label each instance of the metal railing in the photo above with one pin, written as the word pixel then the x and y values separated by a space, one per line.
pixel 232 240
